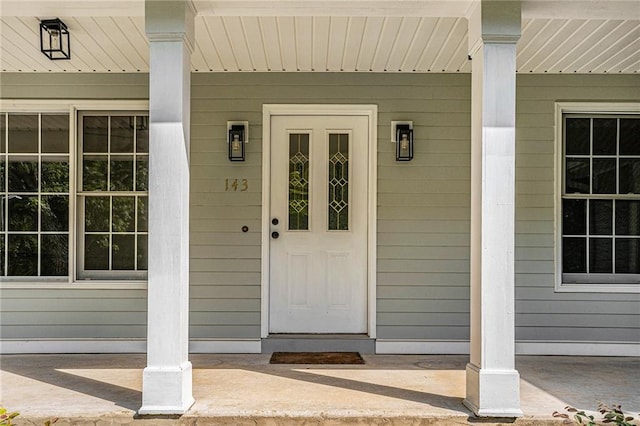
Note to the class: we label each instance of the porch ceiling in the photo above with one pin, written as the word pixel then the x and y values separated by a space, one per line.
pixel 359 35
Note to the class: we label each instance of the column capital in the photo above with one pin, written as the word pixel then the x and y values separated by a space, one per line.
pixel 494 21
pixel 170 20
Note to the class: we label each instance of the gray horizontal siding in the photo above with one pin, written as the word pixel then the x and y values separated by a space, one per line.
pixel 61 313
pixel 423 206
pixel 423 209
pixel 541 313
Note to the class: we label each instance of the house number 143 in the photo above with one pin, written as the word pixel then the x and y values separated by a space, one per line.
pixel 235 185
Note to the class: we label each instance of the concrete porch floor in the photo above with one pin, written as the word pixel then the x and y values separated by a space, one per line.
pixel 246 390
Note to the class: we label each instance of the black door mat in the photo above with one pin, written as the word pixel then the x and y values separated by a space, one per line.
pixel 316 358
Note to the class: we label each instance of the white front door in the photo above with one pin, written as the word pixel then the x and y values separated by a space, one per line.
pixel 318 226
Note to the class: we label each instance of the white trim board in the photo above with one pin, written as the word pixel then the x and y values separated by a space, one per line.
pixel 461 347
pixel 370 111
pixel 225 346
pixel 383 346
pixel 414 347
pixel 73 346
pixel 114 346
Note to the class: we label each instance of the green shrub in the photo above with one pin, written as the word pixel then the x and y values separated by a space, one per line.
pixel 612 414
pixel 6 417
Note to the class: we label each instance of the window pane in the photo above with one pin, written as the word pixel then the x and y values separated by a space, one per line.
pixel 142 134
pixel 94 173
pixel 604 176
pixel 23 213
pixel 123 252
pixel 627 217
pixel 55 174
pixel 338 182
pixel 143 213
pixel 1 255
pixel 3 188
pixel 55 133
pixel 298 181
pixel 142 252
pixel 601 217
pixel 577 136
pixel 23 174
pixel 122 134
pixel 627 256
pixel 600 255
pixel 23 133
pixel 22 253
pixel 630 175
pixel 630 136
pixel 577 176
pixel 95 134
pixel 96 215
pixel 142 173
pixel 124 214
pixel 54 257
pixel 55 212
pixel 574 217
pixel 574 255
pixel 121 173
pixel 604 136
pixel 96 248
pixel 3 133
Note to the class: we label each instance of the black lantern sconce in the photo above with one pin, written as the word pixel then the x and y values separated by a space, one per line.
pixel 238 136
pixel 402 136
pixel 54 39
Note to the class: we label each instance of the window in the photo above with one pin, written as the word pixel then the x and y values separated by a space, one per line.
pixel 600 202
pixel 112 195
pixel 72 210
pixel 34 194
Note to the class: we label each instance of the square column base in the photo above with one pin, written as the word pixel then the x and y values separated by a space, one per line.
pixel 166 390
pixel 493 393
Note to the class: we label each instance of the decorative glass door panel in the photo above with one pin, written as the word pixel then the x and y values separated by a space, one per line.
pixel 338 181
pixel 298 181
pixel 318 277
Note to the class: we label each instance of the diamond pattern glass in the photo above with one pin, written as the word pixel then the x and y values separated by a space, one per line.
pixel 338 182
pixel 298 181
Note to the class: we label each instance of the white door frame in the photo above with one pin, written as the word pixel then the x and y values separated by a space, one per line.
pixel 370 111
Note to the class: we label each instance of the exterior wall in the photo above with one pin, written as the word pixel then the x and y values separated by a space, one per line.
pixel 423 205
pixel 543 314
pixel 423 209
pixel 73 313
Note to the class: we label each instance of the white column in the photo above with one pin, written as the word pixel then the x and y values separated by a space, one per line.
pixel 493 388
pixel 167 379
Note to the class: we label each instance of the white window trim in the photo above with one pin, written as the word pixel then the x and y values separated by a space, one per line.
pixel 562 108
pixel 71 107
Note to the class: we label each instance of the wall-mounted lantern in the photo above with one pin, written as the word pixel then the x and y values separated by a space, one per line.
pixel 238 136
pixel 402 136
pixel 54 39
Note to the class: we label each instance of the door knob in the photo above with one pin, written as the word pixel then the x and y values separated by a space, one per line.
pixel 275 235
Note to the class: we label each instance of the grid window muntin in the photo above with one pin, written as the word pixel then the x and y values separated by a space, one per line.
pixel 138 194
pixel 591 197
pixel 11 198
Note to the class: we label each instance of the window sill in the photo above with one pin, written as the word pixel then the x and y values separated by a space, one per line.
pixel 597 288
pixel 77 285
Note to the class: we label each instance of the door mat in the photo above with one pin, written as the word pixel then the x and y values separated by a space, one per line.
pixel 316 358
